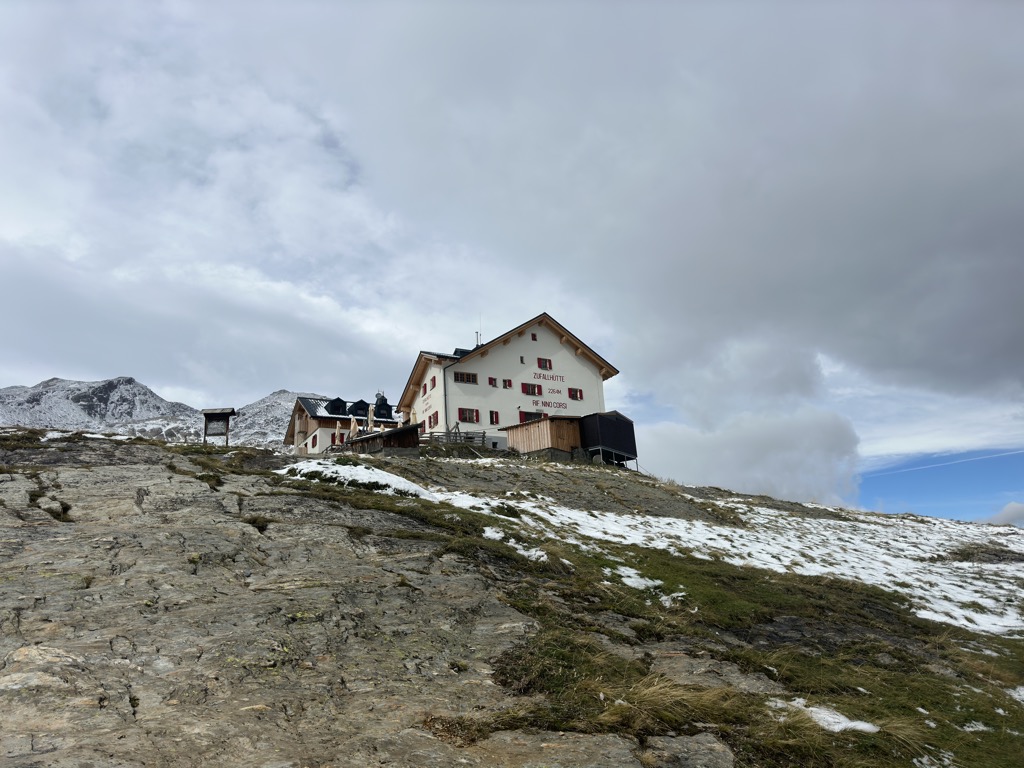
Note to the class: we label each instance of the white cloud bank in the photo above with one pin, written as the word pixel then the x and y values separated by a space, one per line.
pixel 808 454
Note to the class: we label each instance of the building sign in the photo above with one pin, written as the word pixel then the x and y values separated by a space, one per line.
pixel 217 427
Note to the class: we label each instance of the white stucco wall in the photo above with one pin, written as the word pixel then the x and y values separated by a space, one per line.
pixel 516 361
pixel 323 441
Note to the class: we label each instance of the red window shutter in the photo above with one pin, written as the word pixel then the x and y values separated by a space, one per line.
pixel 476 416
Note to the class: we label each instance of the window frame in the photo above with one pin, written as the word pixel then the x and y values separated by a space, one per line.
pixel 465 377
pixel 469 415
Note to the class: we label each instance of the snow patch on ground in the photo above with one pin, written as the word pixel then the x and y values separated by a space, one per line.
pixel 536 554
pixel 632 578
pixel 903 553
pixel 974 727
pixel 358 472
pixel 827 718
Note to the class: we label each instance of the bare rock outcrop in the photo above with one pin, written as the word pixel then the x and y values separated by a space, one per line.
pixel 151 613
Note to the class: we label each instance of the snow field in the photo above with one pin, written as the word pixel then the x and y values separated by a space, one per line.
pixel 902 553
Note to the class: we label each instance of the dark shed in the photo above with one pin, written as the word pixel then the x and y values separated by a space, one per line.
pixel 609 435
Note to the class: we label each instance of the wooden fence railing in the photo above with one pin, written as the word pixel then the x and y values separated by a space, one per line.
pixel 457 436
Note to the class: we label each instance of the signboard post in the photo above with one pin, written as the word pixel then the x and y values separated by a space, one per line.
pixel 217 423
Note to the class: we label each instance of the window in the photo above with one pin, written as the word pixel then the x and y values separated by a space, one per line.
pixel 575 394
pixel 471 415
pixel 432 420
pixel 532 389
pixel 522 360
pixel 313 442
pixel 495 419
pixel 433 381
pixel 465 378
pixel 506 383
pixel 543 363
pixel 492 381
pixel 525 416
pixel 533 336
pixel 424 387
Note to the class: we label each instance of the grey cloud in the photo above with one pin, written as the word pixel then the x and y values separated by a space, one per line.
pixel 834 177
pixel 711 195
pixel 1011 514
pixel 808 454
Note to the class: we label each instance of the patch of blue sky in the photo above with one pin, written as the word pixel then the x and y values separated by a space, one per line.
pixel 971 485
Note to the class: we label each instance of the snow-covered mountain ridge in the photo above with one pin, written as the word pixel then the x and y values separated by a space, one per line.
pixel 125 406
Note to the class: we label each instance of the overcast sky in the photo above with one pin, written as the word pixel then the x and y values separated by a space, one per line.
pixel 796 228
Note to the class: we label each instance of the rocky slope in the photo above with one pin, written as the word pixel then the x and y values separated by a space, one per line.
pixel 174 606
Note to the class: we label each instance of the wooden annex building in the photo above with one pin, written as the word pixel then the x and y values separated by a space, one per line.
pixel 606 437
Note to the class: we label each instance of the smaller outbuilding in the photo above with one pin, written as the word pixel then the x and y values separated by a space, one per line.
pixel 606 437
pixel 317 423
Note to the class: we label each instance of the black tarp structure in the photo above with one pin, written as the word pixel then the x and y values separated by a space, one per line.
pixel 608 435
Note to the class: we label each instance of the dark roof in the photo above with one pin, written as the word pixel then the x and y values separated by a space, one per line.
pixel 220 411
pixel 317 408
